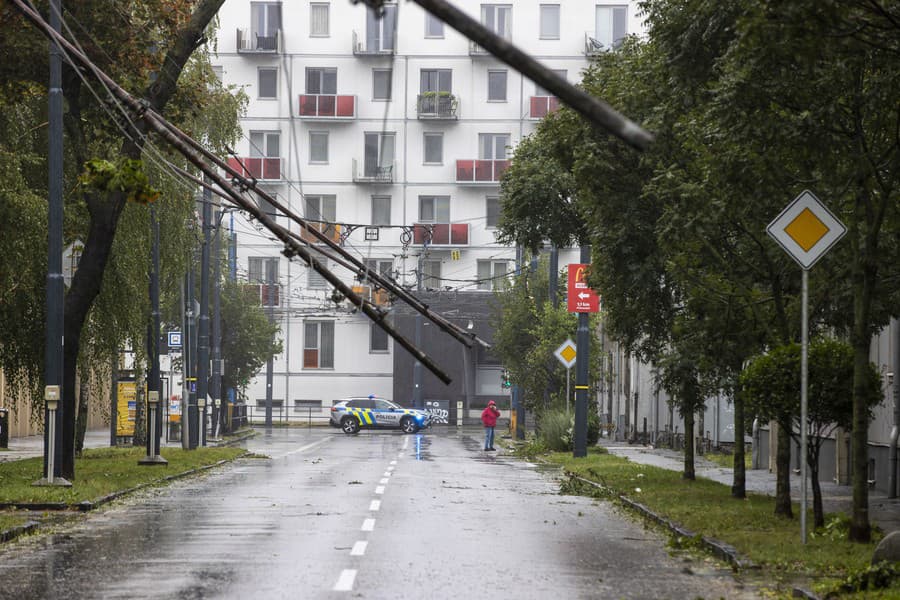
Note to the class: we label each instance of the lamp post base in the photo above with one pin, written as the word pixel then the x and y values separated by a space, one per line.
pixel 153 460
pixel 57 481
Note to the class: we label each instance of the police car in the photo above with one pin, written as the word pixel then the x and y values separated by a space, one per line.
pixel 377 413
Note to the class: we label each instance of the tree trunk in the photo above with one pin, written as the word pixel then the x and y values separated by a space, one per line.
pixel 689 446
pixel 813 464
pixel 860 529
pixel 783 471
pixel 139 438
pixel 739 484
pixel 84 398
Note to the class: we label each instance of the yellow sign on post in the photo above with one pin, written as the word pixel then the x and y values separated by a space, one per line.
pixel 126 408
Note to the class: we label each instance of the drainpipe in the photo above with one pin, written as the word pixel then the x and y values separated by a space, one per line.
pixel 895 431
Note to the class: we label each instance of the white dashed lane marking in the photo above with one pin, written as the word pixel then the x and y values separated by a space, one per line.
pixel 345 581
pixel 368 525
pixel 379 489
pixel 359 548
pixel 375 505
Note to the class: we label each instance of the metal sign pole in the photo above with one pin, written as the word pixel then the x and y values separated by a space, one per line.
pixel 568 377
pixel 804 390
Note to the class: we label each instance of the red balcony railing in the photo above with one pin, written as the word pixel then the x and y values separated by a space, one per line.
pixel 541 106
pixel 327 106
pixel 258 168
pixel 441 234
pixel 480 171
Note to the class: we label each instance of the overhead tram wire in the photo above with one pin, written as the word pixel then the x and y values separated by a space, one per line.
pixel 292 248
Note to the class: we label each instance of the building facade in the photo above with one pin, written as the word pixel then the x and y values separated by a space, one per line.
pixel 392 135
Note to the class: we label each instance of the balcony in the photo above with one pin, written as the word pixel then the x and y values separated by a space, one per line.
pixel 327 106
pixel 441 234
pixel 376 296
pixel 331 230
pixel 437 106
pixel 259 293
pixel 593 46
pixel 250 43
pixel 378 174
pixel 257 168
pixel 360 49
pixel 480 172
pixel 541 106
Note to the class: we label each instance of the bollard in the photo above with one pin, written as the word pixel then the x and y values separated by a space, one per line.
pixel 4 428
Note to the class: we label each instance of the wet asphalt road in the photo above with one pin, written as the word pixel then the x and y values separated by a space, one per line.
pixel 377 515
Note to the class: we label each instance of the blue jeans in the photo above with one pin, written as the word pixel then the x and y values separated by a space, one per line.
pixel 488 437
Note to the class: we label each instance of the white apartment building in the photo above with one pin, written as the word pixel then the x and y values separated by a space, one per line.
pixel 392 133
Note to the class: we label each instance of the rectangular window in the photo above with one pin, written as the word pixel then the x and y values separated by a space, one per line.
pixel 431 274
pixel 266 206
pixel 266 21
pixel 383 266
pixel 381 210
pixel 262 269
pixel 265 144
pixel 314 280
pixel 378 154
pixel 492 146
pixel 318 146
pixel 549 21
pixel 378 339
pixel 491 274
pixel 305 406
pixel 219 72
pixel 435 80
pixel 381 33
pixel 434 27
pixel 492 208
pixel 318 345
pixel 539 91
pixel 612 26
pixel 267 83
pixel 321 81
pixel 318 19
pixel 321 208
pixel 434 148
pixel 497 18
pixel 497 86
pixel 434 209
pixel 381 84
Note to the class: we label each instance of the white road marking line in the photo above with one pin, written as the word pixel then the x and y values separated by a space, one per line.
pixel 393 462
pixel 375 505
pixel 368 525
pixel 359 548
pixel 405 443
pixel 387 473
pixel 345 581
pixel 379 489
pixel 304 448
pixel 383 480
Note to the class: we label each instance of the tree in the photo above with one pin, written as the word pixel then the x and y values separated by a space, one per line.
pixel 771 384
pixel 248 338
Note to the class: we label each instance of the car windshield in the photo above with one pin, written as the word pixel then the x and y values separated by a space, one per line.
pixel 382 404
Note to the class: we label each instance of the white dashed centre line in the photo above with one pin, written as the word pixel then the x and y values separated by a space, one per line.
pixel 383 480
pixel 359 548
pixel 345 581
pixel 375 505
pixel 368 525
pixel 393 462
pixel 387 473
pixel 379 489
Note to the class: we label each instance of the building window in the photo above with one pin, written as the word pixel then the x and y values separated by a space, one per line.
pixel 267 207
pixel 321 208
pixel 266 18
pixel 497 86
pixel 307 406
pixel 381 84
pixel 382 266
pixel 381 33
pixel 492 146
pixel 612 26
pixel 219 72
pixel 434 209
pixel 318 345
pixel 318 146
pixel 267 85
pixel 265 144
pixel 378 154
pixel 434 148
pixel 435 80
pixel 497 18
pixel 434 27
pixel 491 274
pixel 262 269
pixel 378 339
pixel 431 274
pixel 314 279
pixel 539 91
pixel 549 21
pixel 492 209
pixel 381 210
pixel 321 81
pixel 318 19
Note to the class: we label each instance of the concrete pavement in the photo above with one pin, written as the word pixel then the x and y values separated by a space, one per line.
pixel 883 511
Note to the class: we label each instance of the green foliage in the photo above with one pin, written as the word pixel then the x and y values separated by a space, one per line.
pixel 125 175
pixel 248 338
pixel 869 578
pixel 556 430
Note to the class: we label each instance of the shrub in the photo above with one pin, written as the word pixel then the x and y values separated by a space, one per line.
pixel 556 430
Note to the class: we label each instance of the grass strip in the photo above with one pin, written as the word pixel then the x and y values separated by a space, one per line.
pixel 101 472
pixel 707 508
pixel 10 520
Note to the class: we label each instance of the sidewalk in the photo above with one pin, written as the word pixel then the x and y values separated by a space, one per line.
pixel 883 512
pixel 33 445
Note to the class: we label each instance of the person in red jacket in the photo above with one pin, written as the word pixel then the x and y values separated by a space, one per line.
pixel 489 420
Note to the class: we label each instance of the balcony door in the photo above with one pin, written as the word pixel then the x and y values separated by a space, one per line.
pixel 612 26
pixel 266 17
pixel 381 33
pixel 378 154
pixel 492 146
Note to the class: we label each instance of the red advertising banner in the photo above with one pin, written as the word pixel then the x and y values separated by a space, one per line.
pixel 581 297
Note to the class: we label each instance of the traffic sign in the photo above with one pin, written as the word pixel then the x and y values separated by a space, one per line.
pixel 174 339
pixel 566 353
pixel 581 298
pixel 806 229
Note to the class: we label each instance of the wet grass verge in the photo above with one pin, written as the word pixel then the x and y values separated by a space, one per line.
pixel 706 509
pixel 101 473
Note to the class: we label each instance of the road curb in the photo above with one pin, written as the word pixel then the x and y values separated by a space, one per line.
pixel 14 532
pixel 715 547
pixel 237 439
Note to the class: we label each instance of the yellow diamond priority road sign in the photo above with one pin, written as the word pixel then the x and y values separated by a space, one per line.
pixel 806 229
pixel 566 353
